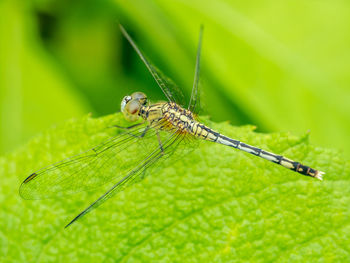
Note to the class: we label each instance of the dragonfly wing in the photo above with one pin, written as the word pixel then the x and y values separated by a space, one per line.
pixel 169 88
pixel 194 104
pixel 89 169
pixel 133 176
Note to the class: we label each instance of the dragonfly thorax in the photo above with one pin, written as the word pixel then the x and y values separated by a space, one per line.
pixel 170 114
pixel 178 117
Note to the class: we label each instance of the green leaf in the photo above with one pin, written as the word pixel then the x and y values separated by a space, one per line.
pixel 215 204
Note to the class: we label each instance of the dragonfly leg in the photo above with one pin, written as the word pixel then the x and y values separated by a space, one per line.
pixel 144 132
pixel 141 135
pixel 126 128
pixel 137 136
pixel 143 175
pixel 160 143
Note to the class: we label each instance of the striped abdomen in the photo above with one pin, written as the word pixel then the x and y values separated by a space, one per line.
pixel 203 132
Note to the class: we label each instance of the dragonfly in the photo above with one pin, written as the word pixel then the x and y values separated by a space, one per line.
pixel 161 129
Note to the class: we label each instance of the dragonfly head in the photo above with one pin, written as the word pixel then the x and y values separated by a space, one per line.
pixel 132 104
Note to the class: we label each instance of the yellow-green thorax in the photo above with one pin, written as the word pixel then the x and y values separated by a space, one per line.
pixel 171 116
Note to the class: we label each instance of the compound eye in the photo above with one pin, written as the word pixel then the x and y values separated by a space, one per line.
pixel 125 100
pixel 140 96
pixel 132 107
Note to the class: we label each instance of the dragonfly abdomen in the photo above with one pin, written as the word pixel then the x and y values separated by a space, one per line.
pixel 278 159
pixel 208 134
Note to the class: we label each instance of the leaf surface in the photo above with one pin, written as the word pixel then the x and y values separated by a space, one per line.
pixel 215 204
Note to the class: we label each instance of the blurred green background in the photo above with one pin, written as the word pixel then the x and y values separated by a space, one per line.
pixel 280 65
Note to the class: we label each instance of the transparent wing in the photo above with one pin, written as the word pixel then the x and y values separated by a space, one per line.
pixel 194 104
pixel 168 146
pixel 90 169
pixel 169 88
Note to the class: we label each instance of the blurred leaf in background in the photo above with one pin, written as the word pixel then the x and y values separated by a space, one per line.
pixel 34 91
pixel 279 65
pixel 283 64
